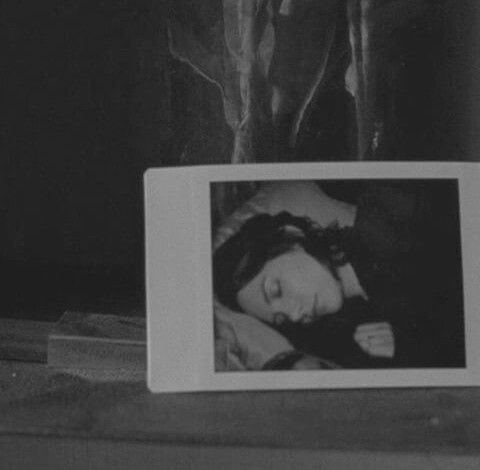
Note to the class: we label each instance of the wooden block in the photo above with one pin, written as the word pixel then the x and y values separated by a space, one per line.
pixel 24 340
pixel 97 341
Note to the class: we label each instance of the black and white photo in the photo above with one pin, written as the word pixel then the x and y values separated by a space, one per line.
pixel 352 274
pixel 318 275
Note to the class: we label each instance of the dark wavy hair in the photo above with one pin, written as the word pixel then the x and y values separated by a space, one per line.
pixel 264 237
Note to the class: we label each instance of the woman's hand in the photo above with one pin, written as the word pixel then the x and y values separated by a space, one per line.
pixel 376 339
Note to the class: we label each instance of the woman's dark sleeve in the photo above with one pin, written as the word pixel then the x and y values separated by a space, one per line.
pixel 331 337
pixel 408 259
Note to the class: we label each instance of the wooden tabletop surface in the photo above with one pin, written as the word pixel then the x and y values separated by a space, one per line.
pixel 37 400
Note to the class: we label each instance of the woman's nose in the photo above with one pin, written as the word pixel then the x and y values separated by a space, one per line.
pixel 288 310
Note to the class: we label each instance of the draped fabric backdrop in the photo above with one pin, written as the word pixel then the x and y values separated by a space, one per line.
pixel 293 71
pixel 317 80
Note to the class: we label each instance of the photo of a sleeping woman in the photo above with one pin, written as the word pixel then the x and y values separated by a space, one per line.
pixel 339 274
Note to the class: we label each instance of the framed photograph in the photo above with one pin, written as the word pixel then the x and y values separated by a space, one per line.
pixel 314 275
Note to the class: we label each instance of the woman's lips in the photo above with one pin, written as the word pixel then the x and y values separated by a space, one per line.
pixel 315 312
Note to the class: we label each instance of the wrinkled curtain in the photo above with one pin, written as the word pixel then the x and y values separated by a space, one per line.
pixel 298 79
pixel 374 69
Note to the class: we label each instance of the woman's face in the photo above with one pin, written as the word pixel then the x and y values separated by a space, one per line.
pixel 291 287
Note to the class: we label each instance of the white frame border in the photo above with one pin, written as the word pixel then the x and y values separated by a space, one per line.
pixel 180 343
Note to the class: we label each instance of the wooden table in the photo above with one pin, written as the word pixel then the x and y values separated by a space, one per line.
pixel 82 419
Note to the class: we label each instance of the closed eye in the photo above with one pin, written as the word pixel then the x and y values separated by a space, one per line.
pixel 272 289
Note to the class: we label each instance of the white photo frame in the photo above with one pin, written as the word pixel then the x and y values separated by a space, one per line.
pixel 180 331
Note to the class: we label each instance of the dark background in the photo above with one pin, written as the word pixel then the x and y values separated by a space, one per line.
pixel 85 110
pixel 90 98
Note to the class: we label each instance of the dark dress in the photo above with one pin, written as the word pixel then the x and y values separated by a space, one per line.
pixel 405 249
